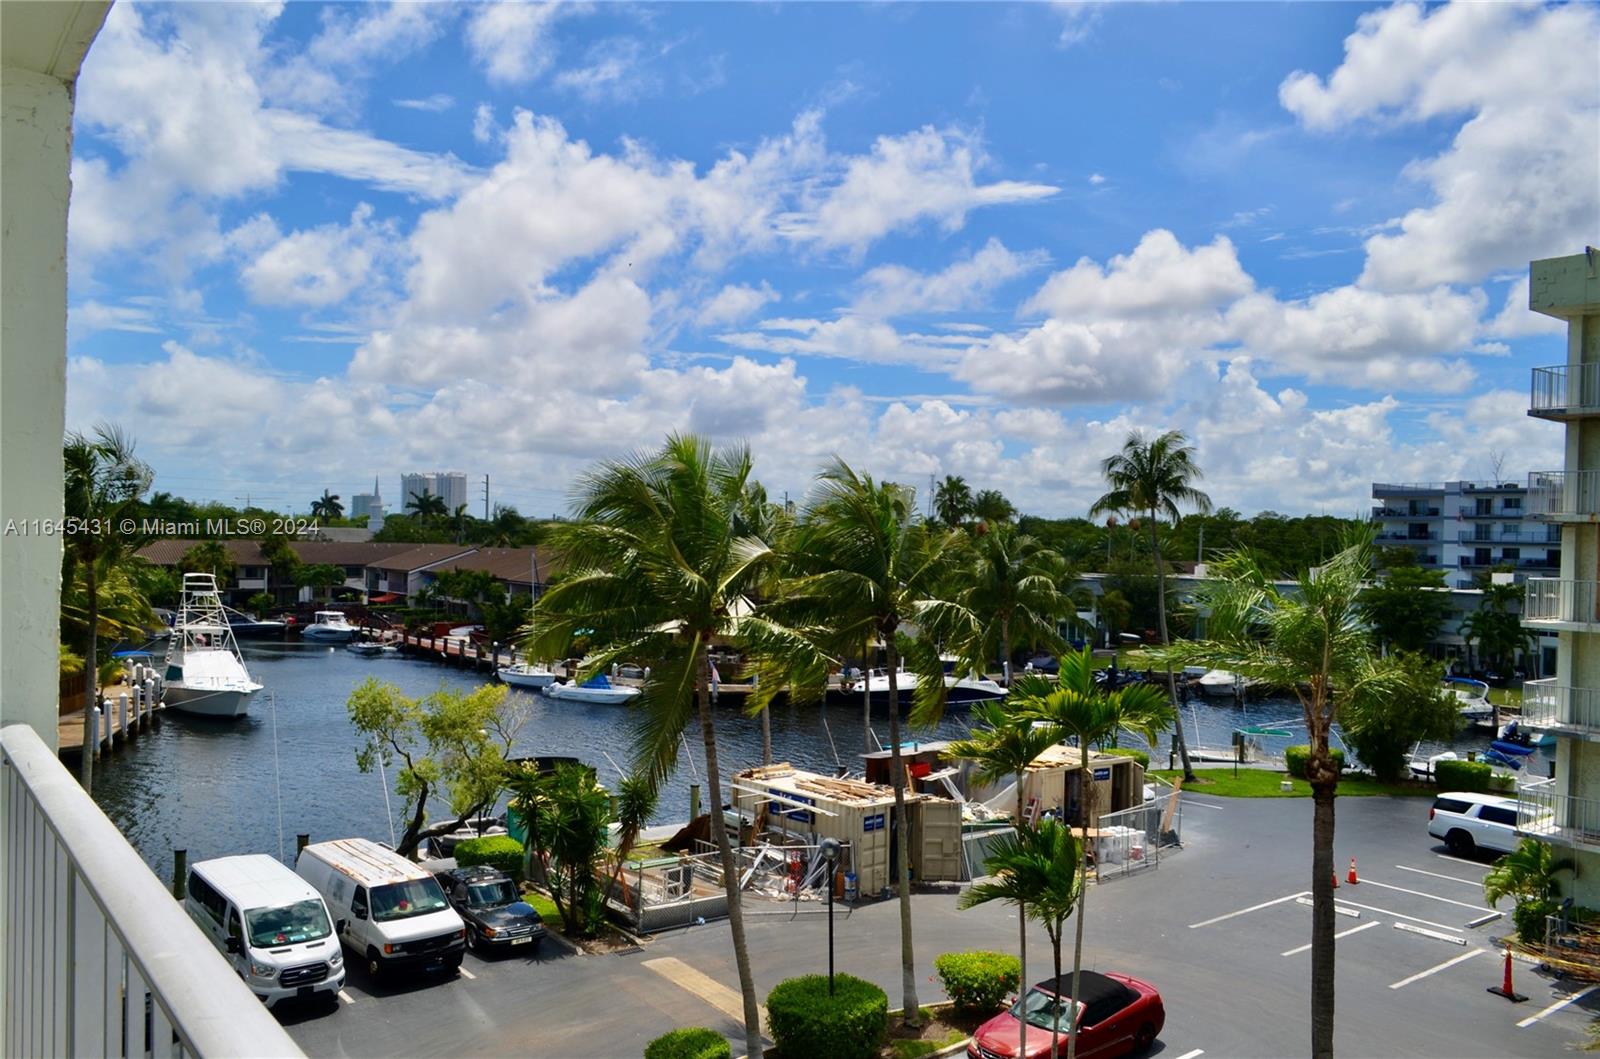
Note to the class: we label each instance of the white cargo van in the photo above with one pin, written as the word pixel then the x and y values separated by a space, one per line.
pixel 390 913
pixel 269 923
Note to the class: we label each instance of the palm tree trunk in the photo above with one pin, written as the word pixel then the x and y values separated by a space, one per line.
pixel 1005 650
pixel 91 676
pixel 1087 802
pixel 766 736
pixel 730 872
pixel 1055 1030
pixel 908 975
pixel 1322 915
pixel 1022 940
pixel 1161 618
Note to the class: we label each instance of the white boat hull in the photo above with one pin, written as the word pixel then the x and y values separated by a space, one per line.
pixel 594 696
pixel 323 634
pixel 208 702
pixel 521 678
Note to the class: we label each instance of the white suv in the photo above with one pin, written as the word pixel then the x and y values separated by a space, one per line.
pixel 1468 821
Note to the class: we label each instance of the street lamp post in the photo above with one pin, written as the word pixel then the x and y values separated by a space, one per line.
pixel 829 848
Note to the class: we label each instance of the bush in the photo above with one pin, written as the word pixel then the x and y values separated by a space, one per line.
pixel 1469 776
pixel 1528 917
pixel 1502 782
pixel 1121 751
pixel 690 1043
pixel 979 982
pixel 1295 758
pixel 497 851
pixel 806 1021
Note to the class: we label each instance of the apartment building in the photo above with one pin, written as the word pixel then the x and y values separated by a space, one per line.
pixel 1564 808
pixel 451 486
pixel 1466 528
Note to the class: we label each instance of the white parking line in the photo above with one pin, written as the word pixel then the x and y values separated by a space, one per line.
pixel 346 997
pixel 1252 908
pixel 1399 915
pixel 1465 882
pixel 1191 1055
pixel 1341 934
pixel 467 974
pixel 1436 969
pixel 1203 805
pixel 1431 897
pixel 1459 860
pixel 1572 998
pixel 1341 911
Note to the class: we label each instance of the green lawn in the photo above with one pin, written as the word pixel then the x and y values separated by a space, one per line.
pixel 915 1049
pixel 545 907
pixel 1262 783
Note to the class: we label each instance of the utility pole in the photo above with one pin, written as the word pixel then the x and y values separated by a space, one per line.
pixel 930 494
pixel 486 498
pixel 1200 550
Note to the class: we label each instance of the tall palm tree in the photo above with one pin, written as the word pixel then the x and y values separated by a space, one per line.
pixel 427 505
pixel 991 506
pixel 952 501
pixel 1011 586
pixel 1002 745
pixel 1078 707
pixel 1150 477
pixel 866 564
pixel 104 484
pixel 655 573
pixel 1033 870
pixel 758 517
pixel 1313 643
pixel 327 506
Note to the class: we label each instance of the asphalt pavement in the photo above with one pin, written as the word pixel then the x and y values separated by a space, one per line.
pixel 1221 928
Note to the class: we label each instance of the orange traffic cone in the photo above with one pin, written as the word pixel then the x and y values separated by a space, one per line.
pixel 1335 880
pixel 1504 989
pixel 1352 880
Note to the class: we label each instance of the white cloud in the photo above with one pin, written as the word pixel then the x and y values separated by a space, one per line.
pixel 483 126
pixel 1078 20
pixel 850 338
pixel 437 103
pixel 611 73
pixel 513 41
pixel 320 266
pixel 1067 362
pixel 1518 181
pixel 91 316
pixel 894 290
pixel 1516 320
pixel 735 302
pixel 1097 179
pixel 1160 277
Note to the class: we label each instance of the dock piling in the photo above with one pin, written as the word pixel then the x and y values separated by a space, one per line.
pixel 122 715
pixel 180 873
pixel 300 843
pixel 694 802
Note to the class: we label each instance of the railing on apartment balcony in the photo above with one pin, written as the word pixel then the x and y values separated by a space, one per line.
pixel 100 960
pixel 1407 488
pixel 1558 494
pixel 1535 535
pixel 1409 538
pixel 1473 511
pixel 1561 390
pixel 1548 702
pixel 1559 602
pixel 1545 813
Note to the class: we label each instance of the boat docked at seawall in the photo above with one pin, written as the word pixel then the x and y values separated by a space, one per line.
pixel 1424 768
pixel 1472 697
pixel 329 626
pixel 1220 684
pixel 365 648
pixel 958 690
pixel 245 626
pixel 597 690
pixel 527 675
pixel 205 674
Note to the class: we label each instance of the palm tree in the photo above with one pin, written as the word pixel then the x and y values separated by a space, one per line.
pixel 1033 870
pixel 459 521
pixel 1496 630
pixel 104 484
pixel 427 505
pixel 208 557
pixel 1150 478
pixel 758 517
pixel 327 506
pixel 1004 745
pixel 991 506
pixel 1313 643
pixel 655 574
pixel 1076 706
pixel 952 501
pixel 1529 871
pixel 866 564
pixel 1011 586
pixel 637 797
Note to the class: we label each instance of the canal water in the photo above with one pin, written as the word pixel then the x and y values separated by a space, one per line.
pixel 289 767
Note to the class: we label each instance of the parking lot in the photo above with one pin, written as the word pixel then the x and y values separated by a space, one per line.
pixel 1222 929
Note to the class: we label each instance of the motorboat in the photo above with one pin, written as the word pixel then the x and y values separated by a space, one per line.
pixel 364 648
pixel 597 690
pixel 1472 697
pixel 1219 684
pixel 527 675
pixel 1522 733
pixel 248 627
pixel 1424 769
pixel 329 626
pixel 958 690
pixel 205 674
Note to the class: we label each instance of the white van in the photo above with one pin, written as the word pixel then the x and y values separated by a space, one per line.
pixel 269 923
pixel 389 912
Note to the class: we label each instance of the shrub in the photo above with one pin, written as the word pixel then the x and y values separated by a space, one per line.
pixel 690 1043
pixel 1121 751
pixel 1295 758
pixel 1502 782
pixel 979 982
pixel 805 1020
pixel 497 851
pixel 1468 776
pixel 1528 917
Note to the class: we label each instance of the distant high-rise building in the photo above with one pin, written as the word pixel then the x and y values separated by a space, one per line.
pixel 367 505
pixel 450 486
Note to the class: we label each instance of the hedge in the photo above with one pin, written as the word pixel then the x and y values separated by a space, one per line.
pixel 806 1021
pixel 978 982
pixel 1471 777
pixel 692 1042
pixel 497 851
pixel 1295 758
pixel 1121 751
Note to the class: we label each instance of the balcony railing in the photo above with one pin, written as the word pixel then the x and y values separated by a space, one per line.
pixel 100 960
pixel 1531 535
pixel 1549 703
pixel 1410 538
pixel 1546 814
pixel 1472 511
pixel 1406 488
pixel 1552 601
pixel 1562 390
pixel 1563 494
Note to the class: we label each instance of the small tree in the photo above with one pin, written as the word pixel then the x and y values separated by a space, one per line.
pixel 327 506
pixel 323 576
pixel 1382 726
pixel 1496 628
pixel 1407 608
pixel 952 500
pixel 638 795
pixel 1527 873
pixel 566 813
pixel 208 557
pixel 260 602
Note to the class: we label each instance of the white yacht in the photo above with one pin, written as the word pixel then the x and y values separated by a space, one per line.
pixel 527 675
pixel 597 690
pixel 1472 698
pixel 330 626
pixel 205 674
pixel 958 690
pixel 1219 684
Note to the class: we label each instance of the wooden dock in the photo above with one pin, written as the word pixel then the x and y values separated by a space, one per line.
pixel 125 712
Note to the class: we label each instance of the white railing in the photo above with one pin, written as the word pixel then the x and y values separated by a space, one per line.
pixel 1565 388
pixel 100 960
pixel 1551 599
pixel 1553 493
pixel 1547 702
pixel 1545 813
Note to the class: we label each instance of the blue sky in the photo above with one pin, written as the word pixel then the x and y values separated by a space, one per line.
pixel 317 243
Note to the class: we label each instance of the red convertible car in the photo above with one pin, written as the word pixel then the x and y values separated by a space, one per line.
pixel 1117 1015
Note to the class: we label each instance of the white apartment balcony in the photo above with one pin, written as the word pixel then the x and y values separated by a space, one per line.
pixel 1406 537
pixel 1553 604
pixel 1549 816
pixel 100 960
pixel 1564 496
pixel 1535 535
pixel 1565 710
pixel 1564 391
